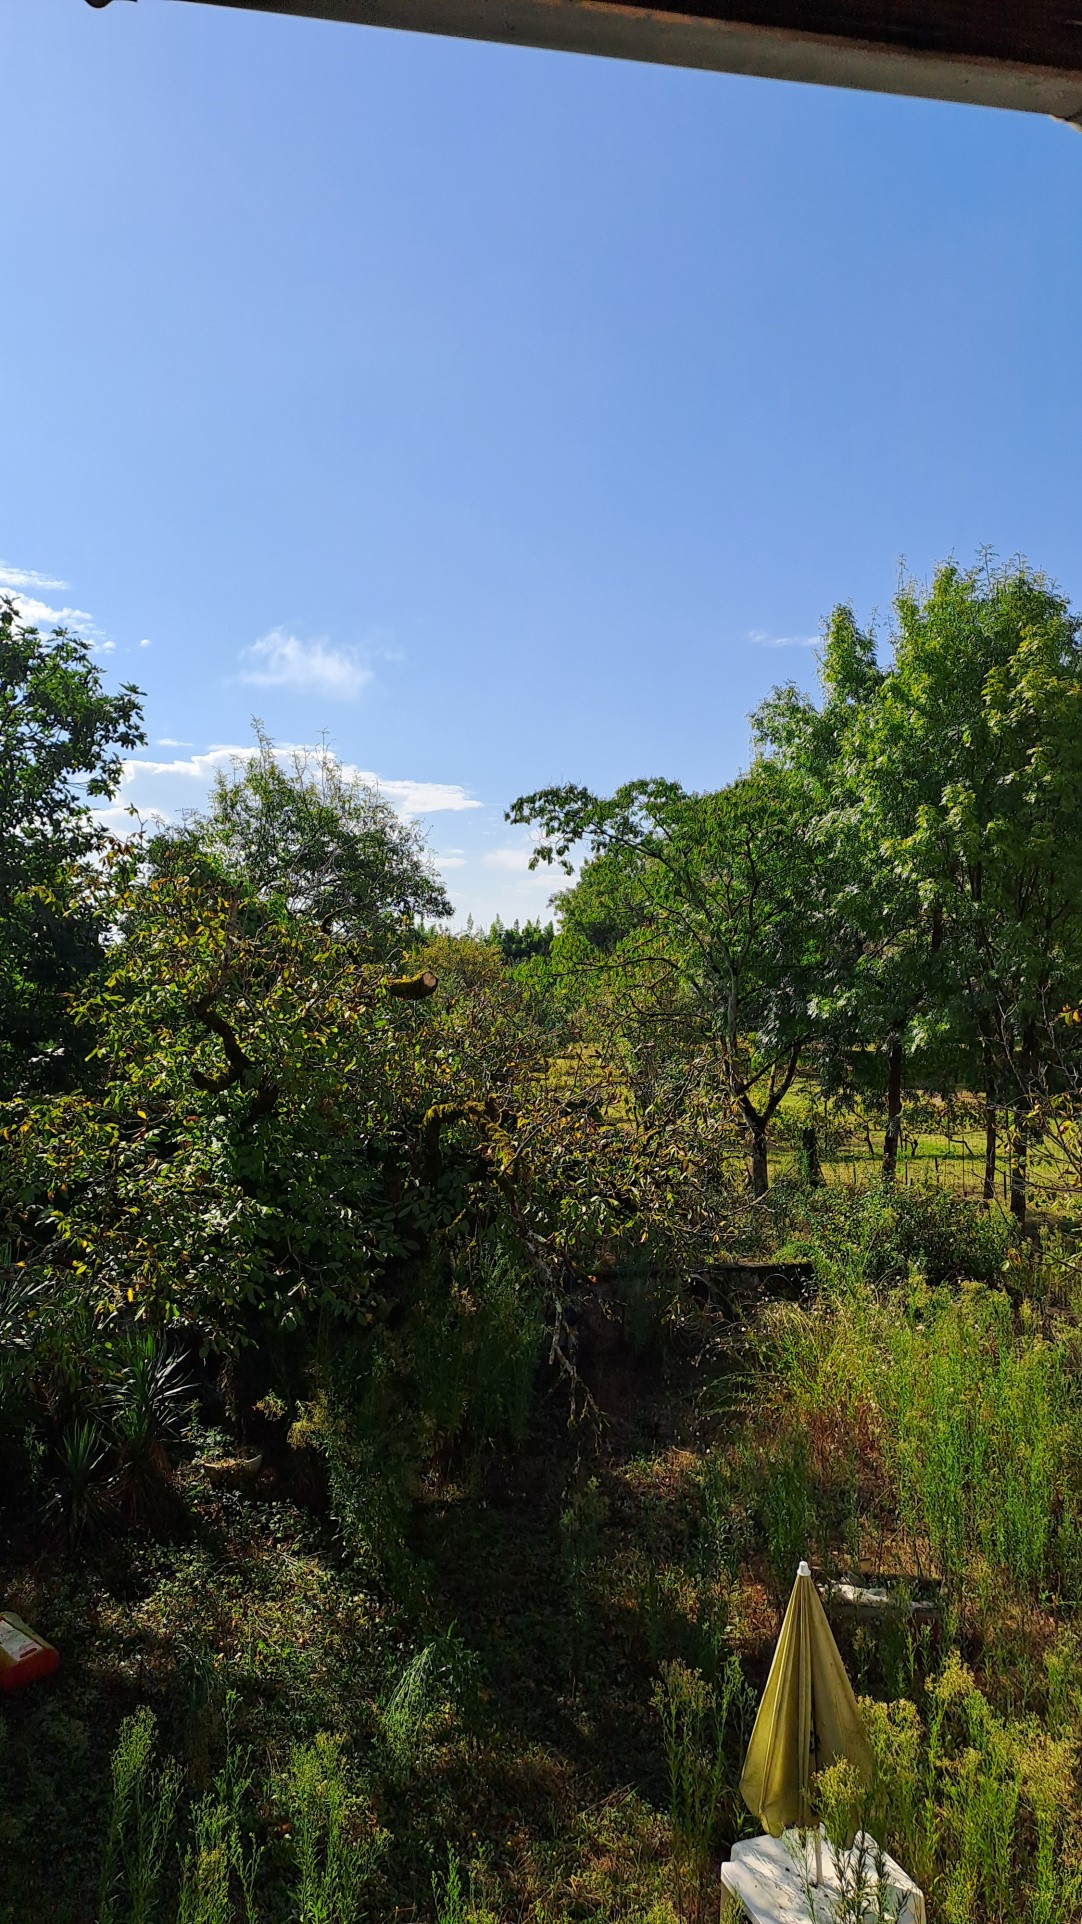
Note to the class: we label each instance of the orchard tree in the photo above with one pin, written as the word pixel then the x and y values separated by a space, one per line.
pixel 61 743
pixel 704 907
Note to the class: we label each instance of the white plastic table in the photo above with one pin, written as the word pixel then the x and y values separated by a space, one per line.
pixel 763 1874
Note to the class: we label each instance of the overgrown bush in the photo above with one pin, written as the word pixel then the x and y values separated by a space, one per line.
pixel 886 1233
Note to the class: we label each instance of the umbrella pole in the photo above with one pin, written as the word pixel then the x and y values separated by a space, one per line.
pixel 811 1773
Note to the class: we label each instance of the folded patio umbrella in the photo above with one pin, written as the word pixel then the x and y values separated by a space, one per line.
pixel 808 1717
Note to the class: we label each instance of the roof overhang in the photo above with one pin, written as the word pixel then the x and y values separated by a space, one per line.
pixel 1024 54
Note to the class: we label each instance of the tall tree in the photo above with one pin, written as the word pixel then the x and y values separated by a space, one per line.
pixel 880 992
pixel 61 737
pixel 324 842
pixel 951 780
pixel 705 902
pixel 979 743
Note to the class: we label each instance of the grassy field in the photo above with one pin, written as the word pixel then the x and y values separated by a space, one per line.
pixel 942 1143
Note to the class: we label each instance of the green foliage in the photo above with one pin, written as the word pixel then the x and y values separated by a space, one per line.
pixel 439 1683
pixel 456 1903
pixel 82 1456
pixel 977 1806
pixel 698 914
pixel 946 787
pixel 702 1771
pixel 787 1508
pixel 884 1234
pixel 972 1417
pixel 320 840
pixel 334 1855
pixel 141 1824
pixel 520 944
pixel 60 742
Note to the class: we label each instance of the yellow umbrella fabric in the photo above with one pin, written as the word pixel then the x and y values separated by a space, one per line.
pixel 808 1717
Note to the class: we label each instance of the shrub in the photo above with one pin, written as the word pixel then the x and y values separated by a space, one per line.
pixel 884 1233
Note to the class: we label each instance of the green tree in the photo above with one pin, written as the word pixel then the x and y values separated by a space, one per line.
pixel 949 781
pixel 61 743
pixel 980 743
pixel 517 944
pixel 705 907
pixel 883 988
pixel 324 842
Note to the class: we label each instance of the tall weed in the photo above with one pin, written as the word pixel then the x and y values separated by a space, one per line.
pixel 335 1844
pixel 695 1720
pixel 141 1824
pixel 976 1806
pixel 441 1680
pixel 971 1408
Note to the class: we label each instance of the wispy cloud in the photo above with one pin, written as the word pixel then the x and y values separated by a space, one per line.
pixel 763 639
pixel 281 660
pixel 27 578
pixel 406 796
pixel 422 798
pixel 41 614
pixel 516 859
pixel 35 612
pixel 170 741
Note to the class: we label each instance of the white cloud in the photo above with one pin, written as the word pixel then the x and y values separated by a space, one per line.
pixel 145 644
pixel 41 614
pixel 406 796
pixel 420 798
pixel 35 613
pixel 170 741
pixel 283 661
pixel 197 768
pixel 516 859
pixel 763 639
pixel 27 578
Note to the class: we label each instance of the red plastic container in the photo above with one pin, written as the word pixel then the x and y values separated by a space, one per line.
pixel 24 1656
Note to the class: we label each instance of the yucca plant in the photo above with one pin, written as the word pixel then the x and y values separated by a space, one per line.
pixel 79 1498
pixel 19 1291
pixel 147 1404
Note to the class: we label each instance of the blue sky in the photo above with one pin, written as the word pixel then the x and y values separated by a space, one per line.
pixel 512 417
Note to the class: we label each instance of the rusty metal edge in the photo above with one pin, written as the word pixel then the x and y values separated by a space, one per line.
pixel 668 38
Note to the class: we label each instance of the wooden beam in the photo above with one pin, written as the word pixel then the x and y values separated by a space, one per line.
pixel 1024 54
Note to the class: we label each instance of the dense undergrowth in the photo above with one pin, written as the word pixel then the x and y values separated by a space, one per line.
pixel 519 1684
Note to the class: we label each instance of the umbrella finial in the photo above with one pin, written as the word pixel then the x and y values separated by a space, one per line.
pixel 803 1569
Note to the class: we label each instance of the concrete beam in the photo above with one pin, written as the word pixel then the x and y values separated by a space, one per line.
pixel 1024 54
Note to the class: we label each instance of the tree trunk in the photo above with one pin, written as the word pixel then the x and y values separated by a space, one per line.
pixel 989 1190
pixel 1019 1159
pixel 894 1110
pixel 812 1168
pixel 759 1182
pixel 1020 1132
